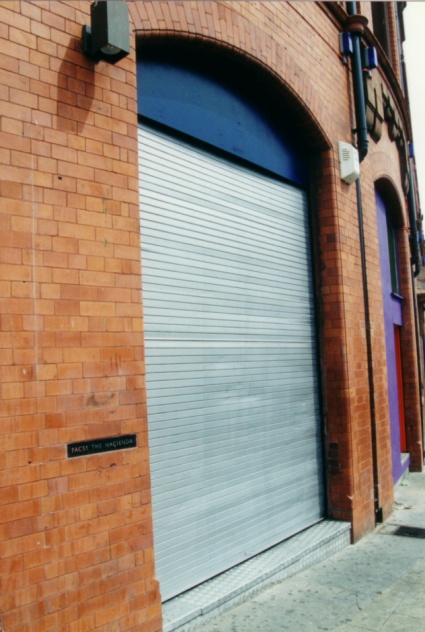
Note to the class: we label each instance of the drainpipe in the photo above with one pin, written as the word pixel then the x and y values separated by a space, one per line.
pixel 355 25
pixel 378 509
pixel 415 269
pixel 419 365
pixel 411 203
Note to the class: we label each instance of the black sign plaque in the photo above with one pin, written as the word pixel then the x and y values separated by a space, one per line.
pixel 108 444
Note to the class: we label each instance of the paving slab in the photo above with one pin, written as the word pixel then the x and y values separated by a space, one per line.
pixel 376 585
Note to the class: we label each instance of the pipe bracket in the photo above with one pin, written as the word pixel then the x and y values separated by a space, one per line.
pixel 356 23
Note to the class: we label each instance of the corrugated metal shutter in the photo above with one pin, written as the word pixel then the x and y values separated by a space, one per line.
pixel 232 383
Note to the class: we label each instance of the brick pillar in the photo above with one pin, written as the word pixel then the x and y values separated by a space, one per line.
pixel 412 409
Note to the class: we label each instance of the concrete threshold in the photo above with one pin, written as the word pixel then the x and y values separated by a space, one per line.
pixel 196 607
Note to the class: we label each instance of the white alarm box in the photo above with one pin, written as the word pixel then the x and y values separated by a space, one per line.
pixel 348 162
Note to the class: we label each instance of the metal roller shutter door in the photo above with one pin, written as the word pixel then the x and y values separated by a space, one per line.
pixel 232 384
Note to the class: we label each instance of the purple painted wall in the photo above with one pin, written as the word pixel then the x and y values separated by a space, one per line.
pixel 392 316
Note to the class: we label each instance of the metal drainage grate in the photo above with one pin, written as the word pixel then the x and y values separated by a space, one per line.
pixel 410 532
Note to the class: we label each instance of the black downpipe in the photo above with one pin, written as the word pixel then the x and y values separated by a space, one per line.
pixel 358 89
pixel 414 244
pixel 378 509
pixel 420 370
pixel 416 268
pixel 363 147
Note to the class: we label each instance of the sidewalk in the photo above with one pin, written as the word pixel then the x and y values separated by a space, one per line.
pixel 377 585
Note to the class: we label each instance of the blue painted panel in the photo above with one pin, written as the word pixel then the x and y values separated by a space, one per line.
pixel 196 104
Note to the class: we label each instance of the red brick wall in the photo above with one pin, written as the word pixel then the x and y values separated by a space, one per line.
pixel 76 535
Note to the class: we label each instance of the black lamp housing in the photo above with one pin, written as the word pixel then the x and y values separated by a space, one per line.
pixel 108 37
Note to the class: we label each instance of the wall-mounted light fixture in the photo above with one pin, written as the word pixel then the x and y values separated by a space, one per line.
pixel 108 36
pixel 370 57
pixel 345 44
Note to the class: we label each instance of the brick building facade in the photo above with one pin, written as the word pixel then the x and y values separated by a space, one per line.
pixel 77 538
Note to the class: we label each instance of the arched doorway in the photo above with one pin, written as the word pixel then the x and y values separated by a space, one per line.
pixel 230 329
pixel 388 227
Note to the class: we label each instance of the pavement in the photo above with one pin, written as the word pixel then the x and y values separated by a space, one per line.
pixel 377 584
